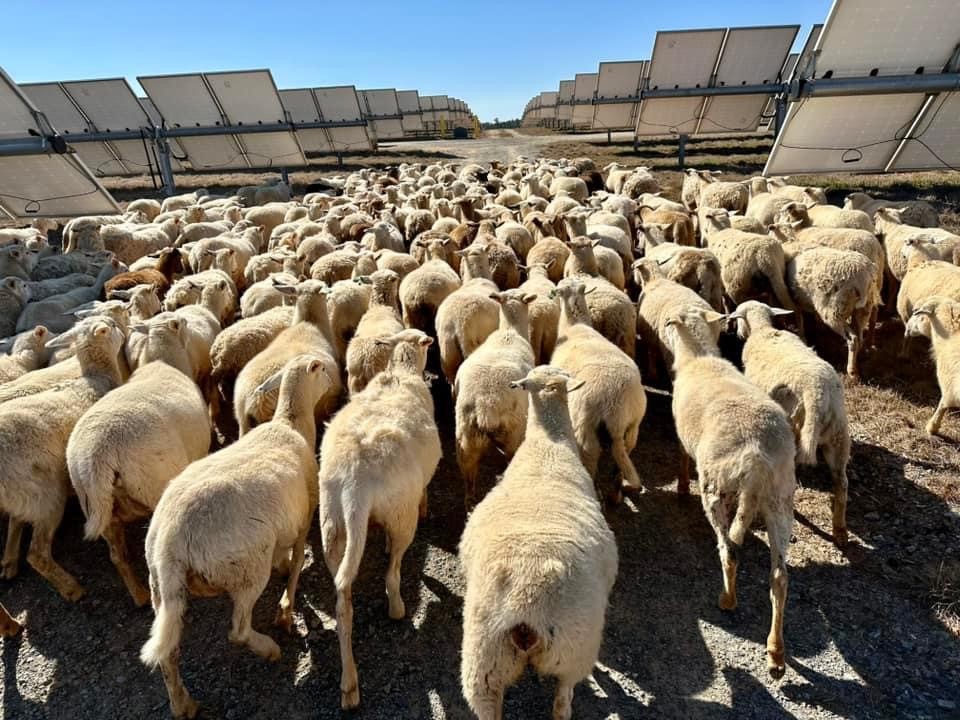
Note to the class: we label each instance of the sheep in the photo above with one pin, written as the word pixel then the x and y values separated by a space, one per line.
pixel 265 217
pixel 925 277
pixel 56 266
pixel 894 231
pixel 129 445
pixel 809 391
pixel 417 222
pixel 613 402
pixel 675 226
pixel 309 332
pixel 550 252
pixel 14 262
pixel 803 216
pixel 660 296
pixel 838 287
pixel 938 318
pixel 149 207
pixel 53 312
pixel 338 265
pixel 366 354
pixel 750 265
pixel 346 304
pixel 913 212
pixel 640 182
pixel 34 485
pixel 516 237
pixel 796 193
pixel 189 289
pixel 18 236
pixel 400 262
pixel 695 268
pixel 237 344
pixel 744 450
pixel 196 231
pixel 14 296
pixel 765 207
pixel 539 561
pixel 468 315
pixel 224 521
pixel 572 188
pixel 424 289
pixel 263 295
pixel 617 175
pixel 132 242
pixel 27 354
pixel 378 455
pixel 701 189
pixel 142 302
pixel 544 312
pixel 43 289
pixel 487 412
pixel 589 258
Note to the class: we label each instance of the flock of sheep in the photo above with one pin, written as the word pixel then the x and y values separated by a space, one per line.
pixel 535 284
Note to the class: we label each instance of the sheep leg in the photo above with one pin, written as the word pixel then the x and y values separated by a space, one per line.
pixel 470 448
pixel 349 683
pixel 563 700
pixel 489 664
pixel 746 509
pixel 683 480
pixel 622 458
pixel 779 526
pixel 117 544
pixel 837 460
pixel 11 552
pixel 181 704
pixel 8 626
pixel 422 509
pixel 933 425
pixel 400 538
pixel 285 611
pixel 40 558
pixel 717 510
pixel 241 630
pixel 853 352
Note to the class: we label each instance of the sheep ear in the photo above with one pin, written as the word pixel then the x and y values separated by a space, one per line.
pixel 284 289
pixel 425 341
pixel 363 280
pixel 314 366
pixel 529 298
pixel 574 385
pixel 780 311
pixel 270 384
pixel 62 340
pixel 712 316
pixel 494 295
pixel 40 331
pixel 519 384
pixel 174 324
pixel 587 292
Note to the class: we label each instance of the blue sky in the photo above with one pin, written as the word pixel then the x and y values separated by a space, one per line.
pixel 495 55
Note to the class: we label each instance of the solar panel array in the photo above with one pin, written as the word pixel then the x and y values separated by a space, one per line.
pixel 873 89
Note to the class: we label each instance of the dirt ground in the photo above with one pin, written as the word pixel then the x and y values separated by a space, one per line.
pixel 871 632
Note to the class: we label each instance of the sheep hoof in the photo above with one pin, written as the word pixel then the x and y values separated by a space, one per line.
pixel 189 709
pixel 72 592
pixel 397 610
pixel 141 596
pixel 349 699
pixel 727 602
pixel 10 628
pixel 9 570
pixel 284 619
pixel 775 664
pixel 840 536
pixel 932 431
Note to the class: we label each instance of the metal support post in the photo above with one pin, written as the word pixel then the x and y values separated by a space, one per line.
pixel 780 113
pixel 682 152
pixel 285 176
pixel 166 169
pixel 609 137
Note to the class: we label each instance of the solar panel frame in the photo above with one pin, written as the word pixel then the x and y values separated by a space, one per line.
pixel 804 64
pixel 585 87
pixel 565 98
pixel 934 141
pixel 381 102
pixel 409 103
pixel 340 103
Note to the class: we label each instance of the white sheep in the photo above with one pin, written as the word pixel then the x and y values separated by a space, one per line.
pixel 56 312
pixel 34 485
pixel 487 412
pixel 125 450
pixel 14 297
pixel 925 277
pixel 377 458
pixel 913 212
pixel 539 561
pixel 807 388
pixel 424 289
pixel 938 318
pixel 366 354
pixel 743 446
pixel 227 519
pixel 544 312
pixel 26 355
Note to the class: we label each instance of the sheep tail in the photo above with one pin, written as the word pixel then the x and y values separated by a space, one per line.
pixel 169 603
pixel 809 431
pixel 355 515
pixel 96 495
pixel 524 637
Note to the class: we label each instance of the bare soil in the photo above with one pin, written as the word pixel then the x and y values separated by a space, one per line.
pixel 872 631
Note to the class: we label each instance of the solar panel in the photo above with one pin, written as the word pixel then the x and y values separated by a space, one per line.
pixel 51 99
pixel 302 108
pixel 618 80
pixel 110 105
pixel 681 59
pixel 183 100
pixel 888 37
pixel 584 87
pixel 379 103
pixel 50 186
pixel 842 134
pixel 251 98
pixel 175 149
pixel 340 104
pixel 409 102
pixel 750 56
pixel 565 98
pixel 935 141
pixel 16 116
